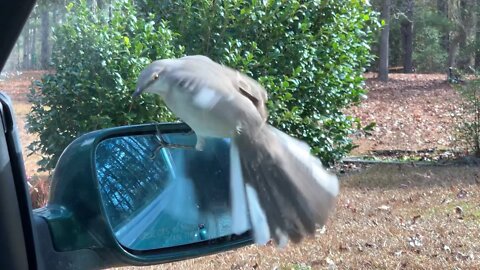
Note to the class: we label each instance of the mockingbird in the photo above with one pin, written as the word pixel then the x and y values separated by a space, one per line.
pixel 277 187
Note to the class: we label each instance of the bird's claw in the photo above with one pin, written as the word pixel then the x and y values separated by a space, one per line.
pixel 163 144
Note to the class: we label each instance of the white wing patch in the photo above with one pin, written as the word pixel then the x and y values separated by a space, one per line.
pixel 240 221
pixel 282 238
pixel 206 98
pixel 301 151
pixel 261 232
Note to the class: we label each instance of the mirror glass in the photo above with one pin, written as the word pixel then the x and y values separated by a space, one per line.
pixel 158 191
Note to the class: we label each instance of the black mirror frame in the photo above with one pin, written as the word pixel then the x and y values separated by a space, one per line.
pixel 77 219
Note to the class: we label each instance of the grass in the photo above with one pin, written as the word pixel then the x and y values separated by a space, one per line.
pixel 387 217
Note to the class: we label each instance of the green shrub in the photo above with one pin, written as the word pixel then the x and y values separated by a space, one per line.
pixel 429 55
pixel 310 56
pixel 97 58
pixel 430 28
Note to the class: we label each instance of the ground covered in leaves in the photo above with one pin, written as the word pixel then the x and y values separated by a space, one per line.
pixel 388 216
pixel 411 112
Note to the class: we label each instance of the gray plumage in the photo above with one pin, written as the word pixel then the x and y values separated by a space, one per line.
pixel 277 186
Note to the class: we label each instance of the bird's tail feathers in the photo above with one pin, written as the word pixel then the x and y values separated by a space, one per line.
pixel 286 189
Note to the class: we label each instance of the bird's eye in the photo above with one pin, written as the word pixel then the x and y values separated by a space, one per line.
pixel 155 76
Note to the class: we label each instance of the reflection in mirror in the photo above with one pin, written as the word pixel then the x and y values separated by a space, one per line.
pixel 157 197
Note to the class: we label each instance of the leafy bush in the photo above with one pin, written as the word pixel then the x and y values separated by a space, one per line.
pixel 430 29
pixel 429 55
pixel 97 58
pixel 310 56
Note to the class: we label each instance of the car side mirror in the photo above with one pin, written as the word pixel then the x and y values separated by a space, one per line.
pixel 142 195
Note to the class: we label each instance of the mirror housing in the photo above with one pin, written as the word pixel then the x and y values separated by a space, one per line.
pixel 76 216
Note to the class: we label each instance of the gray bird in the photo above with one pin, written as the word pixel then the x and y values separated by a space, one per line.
pixel 277 187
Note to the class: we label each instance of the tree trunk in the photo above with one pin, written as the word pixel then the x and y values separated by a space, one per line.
pixel 18 64
pixel 455 36
pixel 26 47
pixel 33 52
pixel 100 4
pixel 442 7
pixel 407 37
pixel 45 34
pixel 477 41
pixel 384 38
pixel 453 48
pixel 96 5
pixel 470 25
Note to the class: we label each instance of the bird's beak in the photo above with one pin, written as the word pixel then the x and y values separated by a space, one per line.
pixel 137 92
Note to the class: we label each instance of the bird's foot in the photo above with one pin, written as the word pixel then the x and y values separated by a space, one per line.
pixel 200 146
pixel 163 144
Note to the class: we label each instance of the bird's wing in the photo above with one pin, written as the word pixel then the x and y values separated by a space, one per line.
pixel 253 91
pixel 215 76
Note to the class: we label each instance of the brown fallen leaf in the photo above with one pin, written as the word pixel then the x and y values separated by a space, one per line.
pixel 344 247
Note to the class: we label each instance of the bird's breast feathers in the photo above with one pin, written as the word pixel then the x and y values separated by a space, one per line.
pixel 198 108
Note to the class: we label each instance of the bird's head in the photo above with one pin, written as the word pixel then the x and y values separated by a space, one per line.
pixel 150 79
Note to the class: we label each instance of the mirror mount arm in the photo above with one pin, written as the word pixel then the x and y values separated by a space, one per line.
pixel 67 233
